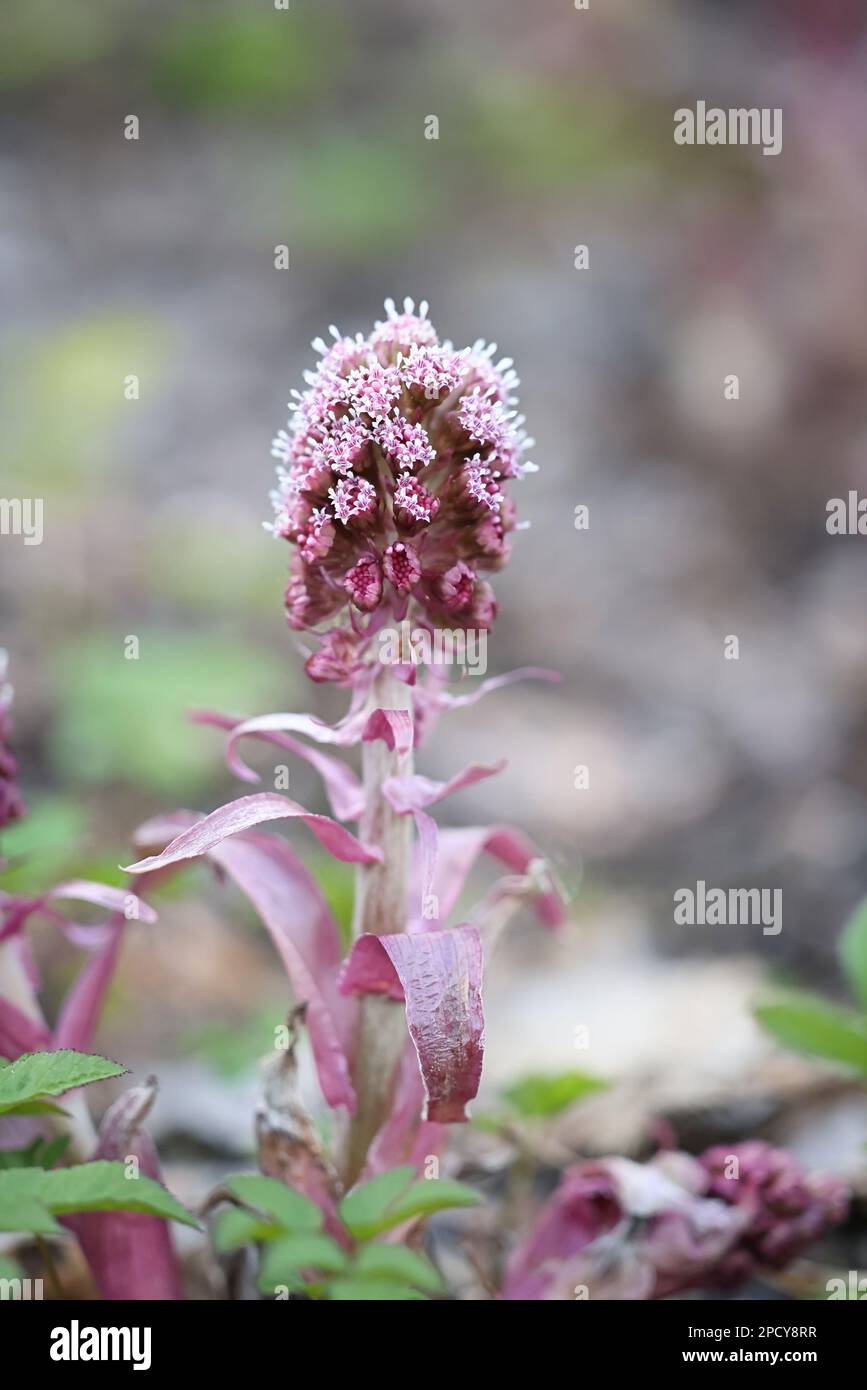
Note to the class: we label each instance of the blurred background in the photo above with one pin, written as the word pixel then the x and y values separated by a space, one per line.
pixel 155 258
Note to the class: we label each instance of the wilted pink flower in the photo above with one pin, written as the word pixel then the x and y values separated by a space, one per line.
pixel 392 478
pixel 11 802
pixel 615 1229
pixel 787 1208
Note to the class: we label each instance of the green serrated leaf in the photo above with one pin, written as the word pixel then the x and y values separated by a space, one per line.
pixel 810 1024
pixel 542 1094
pixel 234 1228
pixel 285 1258
pixel 380 1261
pixel 369 1291
pixel 38 1074
pixel 36 1107
pixel 853 953
pixel 99 1186
pixel 289 1208
pixel 363 1209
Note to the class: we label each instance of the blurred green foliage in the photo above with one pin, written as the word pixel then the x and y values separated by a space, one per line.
pixel 42 38
pixel 125 721
pixel 43 848
pixel 185 556
pixel 344 197
pixel 816 1026
pixel 547 1094
pixel 62 394
pixel 247 61
pixel 232 1048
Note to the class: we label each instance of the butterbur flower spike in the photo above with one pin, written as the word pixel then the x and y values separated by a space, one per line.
pixel 393 486
pixel 392 490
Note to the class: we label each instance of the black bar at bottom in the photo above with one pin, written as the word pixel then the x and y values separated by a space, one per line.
pixel 66 1339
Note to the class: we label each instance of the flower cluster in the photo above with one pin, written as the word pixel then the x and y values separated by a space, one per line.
pixel 392 485
pixel 11 802
pixel 786 1208
pixel 622 1230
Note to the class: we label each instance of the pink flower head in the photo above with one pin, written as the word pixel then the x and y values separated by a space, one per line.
pixel 456 587
pixel 392 485
pixel 401 565
pixel 364 583
pixel 374 389
pixel 354 499
pixel 11 803
pixel 406 445
pixel 626 1230
pixel 413 504
pixel 787 1208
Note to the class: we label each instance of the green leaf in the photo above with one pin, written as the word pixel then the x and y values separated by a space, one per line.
pixel 53 1149
pixel 853 953
pixel 810 1024
pixel 98 1186
pixel 396 1262
pixel 433 1194
pixel 24 1214
pixel 368 1291
pixel 548 1094
pixel 386 1201
pixel 289 1208
pixel 235 1228
pixel 38 1074
pixel 363 1209
pixel 36 1107
pixel 284 1259
pixel 42 1153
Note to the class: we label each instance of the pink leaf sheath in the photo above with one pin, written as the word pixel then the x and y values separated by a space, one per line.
pixel 103 895
pixel 286 897
pixel 342 787
pixel 439 975
pixel 439 696
pixel 130 1254
pixel 82 1007
pixel 246 813
pixel 405 1137
pixel 434 696
pixel 394 727
pixel 407 794
pixel 344 734
pixel 458 851
pixel 17 912
pixel 20 1033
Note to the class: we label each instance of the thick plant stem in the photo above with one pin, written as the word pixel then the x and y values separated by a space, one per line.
pixel 380 907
